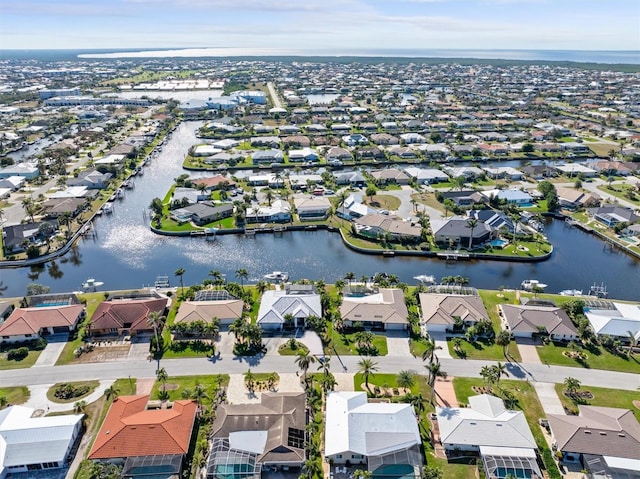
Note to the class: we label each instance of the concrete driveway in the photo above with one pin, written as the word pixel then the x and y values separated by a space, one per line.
pixel 398 344
pixel 548 398
pixel 528 351
pixel 52 351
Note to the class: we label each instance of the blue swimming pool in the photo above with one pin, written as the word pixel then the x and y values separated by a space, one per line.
pixel 498 243
pixel 503 472
pixel 394 471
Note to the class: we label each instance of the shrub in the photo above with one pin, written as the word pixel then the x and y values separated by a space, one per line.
pixel 18 354
pixel 69 391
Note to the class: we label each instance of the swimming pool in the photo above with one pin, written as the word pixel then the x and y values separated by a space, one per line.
pixel 53 303
pixel 394 471
pixel 498 243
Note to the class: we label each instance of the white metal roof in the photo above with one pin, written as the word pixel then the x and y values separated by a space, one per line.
pixel 371 429
pixel 28 440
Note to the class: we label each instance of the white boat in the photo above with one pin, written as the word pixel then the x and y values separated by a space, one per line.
pixel 162 282
pixel 426 278
pixel 571 292
pixel 529 284
pixel 91 283
pixel 120 193
pixel 277 276
pixel 108 208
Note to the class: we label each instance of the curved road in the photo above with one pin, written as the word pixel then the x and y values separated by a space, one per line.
pixel 284 364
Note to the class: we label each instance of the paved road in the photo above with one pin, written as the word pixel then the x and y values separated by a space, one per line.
pixel 274 95
pixel 285 364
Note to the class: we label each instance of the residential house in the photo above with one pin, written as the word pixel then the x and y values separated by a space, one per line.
pixel 474 430
pixel 225 308
pixel 126 317
pixel 189 196
pixel 26 324
pixel 512 196
pixel 497 220
pixel 384 139
pixel 202 213
pixel 302 181
pixel 608 167
pixel 604 440
pixel 26 170
pixel 370 152
pixel 30 443
pixel 255 437
pixel 155 441
pixel 295 303
pixel 217 182
pixel 390 175
pixel 265 141
pixel 92 179
pixel 16 238
pixel 463 197
pixel 468 172
pixel 612 215
pixel 617 321
pixel 56 207
pixel 205 150
pixel 12 183
pixel 381 436
pixel 382 310
pixel 403 152
pixel 353 208
pixel 529 321
pixel 410 138
pixel 338 153
pixel 447 312
pixel 426 176
pixel 375 225
pixel 457 232
pixel 504 172
pixel 268 156
pixel 305 154
pixel 312 209
pixel 538 172
pixel 278 212
pixel 571 198
pixel 575 169
pixel 353 178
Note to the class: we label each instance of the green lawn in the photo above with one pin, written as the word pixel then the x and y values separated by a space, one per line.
pixel 597 358
pixel 527 402
pixel 483 349
pixel 16 395
pixel 344 343
pixel 620 398
pixel 187 349
pixel 188 382
pixel 27 362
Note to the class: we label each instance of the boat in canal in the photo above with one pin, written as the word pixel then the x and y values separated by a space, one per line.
pixel 530 284
pixel 162 282
pixel 277 277
pixel 91 283
pixel 425 278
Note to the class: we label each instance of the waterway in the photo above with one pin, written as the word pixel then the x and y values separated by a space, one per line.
pixel 125 254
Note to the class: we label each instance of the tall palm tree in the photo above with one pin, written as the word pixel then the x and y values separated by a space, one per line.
pixel 242 274
pixel 304 360
pixel 405 380
pixel 434 371
pixel 632 342
pixel 350 276
pixel 367 367
pixel 199 394
pixel 162 376
pixel 471 224
pixel 111 392
pixel 430 350
pixel 180 273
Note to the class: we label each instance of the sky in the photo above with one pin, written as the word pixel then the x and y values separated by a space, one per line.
pixel 321 26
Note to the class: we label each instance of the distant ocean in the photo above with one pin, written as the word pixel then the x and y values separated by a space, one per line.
pixel 631 57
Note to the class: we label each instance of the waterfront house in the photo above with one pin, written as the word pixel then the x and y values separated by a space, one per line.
pixel 530 321
pixel 383 309
pixel 92 179
pixel 16 238
pixel 617 321
pixel 56 207
pixel 390 176
pixel 426 176
pixel 30 443
pixel 268 156
pixel 612 215
pixel 259 437
pixel 305 154
pixel 375 225
pixel 474 430
pixel 217 182
pixel 571 198
pixel 575 169
pixel 498 221
pixel 222 306
pixel 12 183
pixel 468 172
pixel 278 212
pixel 126 317
pixel 605 441
pixel 449 312
pixel 538 172
pixel 297 302
pixel 265 141
pixel 353 178
pixel 463 197
pixel 312 209
pixel 202 213
pixel 338 153
pixel 503 172
pixel 513 196
pixel 136 437
pixel 380 436
pixel 27 324
pixel 456 231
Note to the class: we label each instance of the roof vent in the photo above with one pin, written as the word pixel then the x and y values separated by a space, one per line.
pixel 472 423
pixel 587 432
pixel 621 435
pixel 602 433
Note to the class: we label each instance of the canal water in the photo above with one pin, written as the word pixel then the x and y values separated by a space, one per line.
pixel 125 254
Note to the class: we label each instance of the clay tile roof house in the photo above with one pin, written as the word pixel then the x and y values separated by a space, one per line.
pixel 125 316
pixel 439 311
pixel 525 321
pixel 604 439
pixel 270 433
pixel 215 182
pixel 385 309
pixel 26 324
pixel 131 432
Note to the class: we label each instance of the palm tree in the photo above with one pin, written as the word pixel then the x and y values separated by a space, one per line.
pixel 162 376
pixel 504 339
pixel 217 277
pixel 632 343
pixel 242 274
pixel 180 273
pixel 572 385
pixel 339 284
pixel 405 380
pixel 501 370
pixel 471 224
pixel 156 320
pixel 268 194
pixel 350 276
pixel 250 381
pixel 303 360
pixel 434 371
pixel 430 350
pixel 111 392
pixel 199 394
pixel 79 407
pixel 367 367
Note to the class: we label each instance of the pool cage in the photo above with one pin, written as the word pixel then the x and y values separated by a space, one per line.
pixel 227 463
pixel 499 467
pixel 411 457
pixel 165 466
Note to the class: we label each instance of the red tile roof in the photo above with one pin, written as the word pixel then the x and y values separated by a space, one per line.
pixel 131 430
pixel 31 320
pixel 130 312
